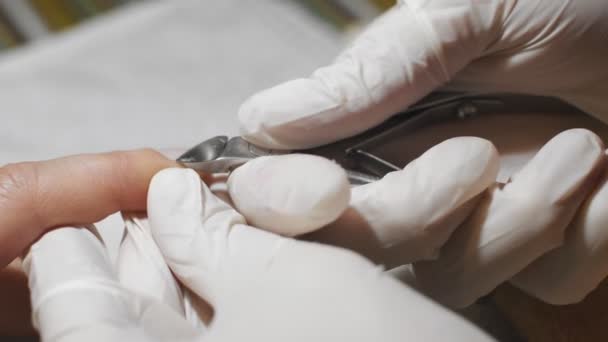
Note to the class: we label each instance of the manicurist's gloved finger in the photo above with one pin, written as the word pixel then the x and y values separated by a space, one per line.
pixel 404 217
pixel 76 296
pixel 71 282
pixel 412 49
pixel 290 195
pixel 199 235
pixel 141 268
pixel 567 274
pixel 517 223
pixel 419 46
pixel 265 287
pixel 37 196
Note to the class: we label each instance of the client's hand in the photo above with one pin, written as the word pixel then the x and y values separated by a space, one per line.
pixel 38 196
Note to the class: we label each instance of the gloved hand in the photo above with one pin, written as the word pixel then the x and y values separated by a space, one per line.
pixel 545 47
pixel 548 47
pixel 263 287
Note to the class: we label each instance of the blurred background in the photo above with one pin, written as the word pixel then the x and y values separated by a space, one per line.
pixel 95 75
pixel 22 21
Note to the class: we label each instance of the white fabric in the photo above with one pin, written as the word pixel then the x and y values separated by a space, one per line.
pixel 161 74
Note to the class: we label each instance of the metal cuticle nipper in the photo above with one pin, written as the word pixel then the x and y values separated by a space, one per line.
pixel 222 154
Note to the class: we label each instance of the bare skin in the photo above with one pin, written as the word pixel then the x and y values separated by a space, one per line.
pixel 37 196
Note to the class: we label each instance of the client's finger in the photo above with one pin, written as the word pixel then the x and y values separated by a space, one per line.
pixel 36 196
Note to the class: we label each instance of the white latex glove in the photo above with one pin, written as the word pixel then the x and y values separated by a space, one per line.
pixel 545 47
pixel 516 223
pixel 464 246
pixel 294 194
pixel 550 47
pixel 262 287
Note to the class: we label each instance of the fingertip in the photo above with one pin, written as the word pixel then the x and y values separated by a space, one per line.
pixel 412 212
pixel 482 156
pixel 173 189
pixel 172 179
pixel 290 195
pixel 467 163
pixel 475 147
pixel 563 167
